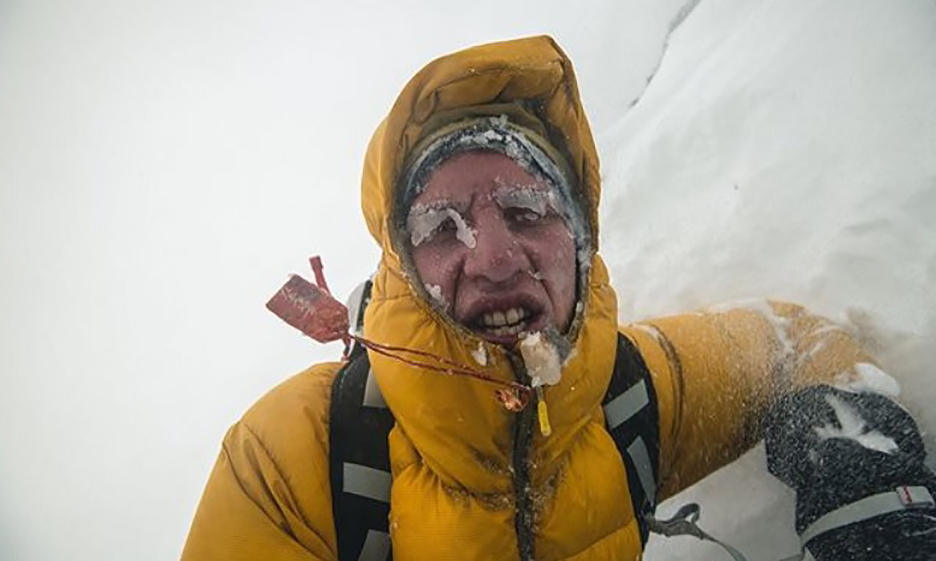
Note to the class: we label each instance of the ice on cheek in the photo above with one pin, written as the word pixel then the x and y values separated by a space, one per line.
pixel 435 292
pixel 424 222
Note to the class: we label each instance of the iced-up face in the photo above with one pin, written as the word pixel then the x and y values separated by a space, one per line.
pixel 490 246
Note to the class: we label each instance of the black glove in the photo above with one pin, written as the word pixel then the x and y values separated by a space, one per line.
pixel 835 448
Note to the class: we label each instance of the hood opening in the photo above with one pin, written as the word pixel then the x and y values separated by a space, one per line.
pixel 497 133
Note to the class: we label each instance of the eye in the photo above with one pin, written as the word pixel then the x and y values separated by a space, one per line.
pixel 433 225
pixel 445 231
pixel 447 225
pixel 523 216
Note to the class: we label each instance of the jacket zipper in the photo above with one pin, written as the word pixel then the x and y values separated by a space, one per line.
pixel 523 439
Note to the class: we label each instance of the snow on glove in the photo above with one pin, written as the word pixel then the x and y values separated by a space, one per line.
pixel 842 451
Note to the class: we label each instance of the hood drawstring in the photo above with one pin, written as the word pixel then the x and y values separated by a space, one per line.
pixel 312 309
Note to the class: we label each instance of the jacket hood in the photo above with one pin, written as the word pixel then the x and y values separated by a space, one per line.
pixel 452 427
pixel 530 81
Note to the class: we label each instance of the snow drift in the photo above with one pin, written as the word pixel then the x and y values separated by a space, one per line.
pixel 784 150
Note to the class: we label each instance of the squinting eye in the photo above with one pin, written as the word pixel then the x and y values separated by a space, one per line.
pixel 523 215
pixel 447 225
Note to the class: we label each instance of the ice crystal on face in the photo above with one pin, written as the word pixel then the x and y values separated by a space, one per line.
pixel 435 292
pixel 498 134
pixel 423 222
pixel 492 135
pixel 528 197
pixel 513 145
pixel 853 427
pixel 541 359
pixel 480 354
pixel 584 256
pixel 464 234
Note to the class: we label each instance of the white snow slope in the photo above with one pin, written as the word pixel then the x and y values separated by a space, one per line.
pixel 789 154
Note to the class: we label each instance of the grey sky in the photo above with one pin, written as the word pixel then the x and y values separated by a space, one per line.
pixel 163 167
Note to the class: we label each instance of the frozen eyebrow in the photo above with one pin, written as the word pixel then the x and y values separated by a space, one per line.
pixel 423 221
pixel 528 197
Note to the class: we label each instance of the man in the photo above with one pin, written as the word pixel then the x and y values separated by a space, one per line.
pixel 482 188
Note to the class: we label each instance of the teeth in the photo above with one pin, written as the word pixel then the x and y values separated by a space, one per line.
pixel 508 319
pixel 507 329
pixel 513 315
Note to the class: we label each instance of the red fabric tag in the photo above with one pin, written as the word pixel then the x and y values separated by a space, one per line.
pixel 311 310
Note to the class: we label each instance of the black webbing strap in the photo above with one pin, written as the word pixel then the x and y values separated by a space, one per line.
pixel 361 423
pixel 359 460
pixel 631 417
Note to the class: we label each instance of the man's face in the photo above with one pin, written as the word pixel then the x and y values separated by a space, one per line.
pixel 490 247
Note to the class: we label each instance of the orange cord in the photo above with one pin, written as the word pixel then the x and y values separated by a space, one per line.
pixel 512 395
pixel 523 392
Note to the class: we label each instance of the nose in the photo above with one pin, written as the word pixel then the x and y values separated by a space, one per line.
pixel 498 255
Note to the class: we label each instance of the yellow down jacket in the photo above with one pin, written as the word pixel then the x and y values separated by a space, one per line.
pixel 715 373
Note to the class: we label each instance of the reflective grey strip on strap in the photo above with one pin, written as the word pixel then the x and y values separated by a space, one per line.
pixel 354 305
pixel 641 458
pixel 372 395
pixel 376 546
pixel 626 405
pixel 367 482
pixel 869 507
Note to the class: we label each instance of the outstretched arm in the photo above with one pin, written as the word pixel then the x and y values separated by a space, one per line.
pixel 718 372
pixel 725 378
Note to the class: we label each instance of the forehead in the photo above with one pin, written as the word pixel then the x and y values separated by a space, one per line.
pixel 464 176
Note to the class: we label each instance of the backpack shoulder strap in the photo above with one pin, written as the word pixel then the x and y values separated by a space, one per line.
pixel 360 455
pixel 359 462
pixel 631 416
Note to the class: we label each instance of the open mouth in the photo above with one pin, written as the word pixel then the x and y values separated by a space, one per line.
pixel 504 323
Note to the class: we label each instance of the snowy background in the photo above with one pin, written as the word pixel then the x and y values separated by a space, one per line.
pixel 783 149
pixel 165 165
